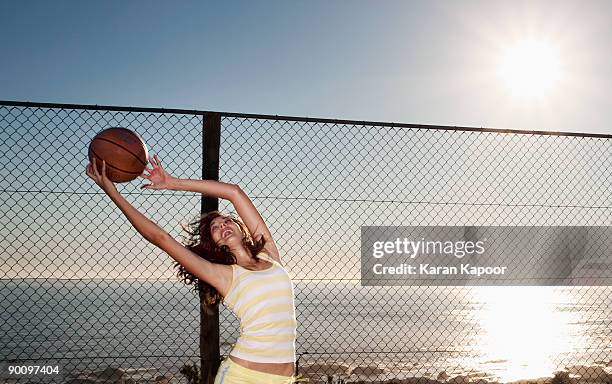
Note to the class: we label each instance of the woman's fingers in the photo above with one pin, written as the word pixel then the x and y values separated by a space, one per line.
pixel 99 175
pixel 103 169
pixel 95 169
pixel 153 161
pixel 92 173
pixel 158 162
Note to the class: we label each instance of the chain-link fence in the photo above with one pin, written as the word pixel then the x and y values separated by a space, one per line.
pixel 81 289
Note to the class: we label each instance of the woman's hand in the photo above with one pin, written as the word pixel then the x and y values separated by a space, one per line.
pixel 101 179
pixel 159 178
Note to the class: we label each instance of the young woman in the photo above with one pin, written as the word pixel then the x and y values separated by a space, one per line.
pixel 240 262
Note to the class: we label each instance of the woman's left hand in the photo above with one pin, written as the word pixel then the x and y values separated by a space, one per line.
pixel 101 179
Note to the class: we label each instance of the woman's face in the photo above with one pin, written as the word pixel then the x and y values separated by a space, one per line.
pixel 224 231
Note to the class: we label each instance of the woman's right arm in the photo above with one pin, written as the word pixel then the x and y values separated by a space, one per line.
pixel 217 275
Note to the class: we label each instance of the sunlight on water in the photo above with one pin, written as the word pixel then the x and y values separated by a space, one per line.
pixel 523 326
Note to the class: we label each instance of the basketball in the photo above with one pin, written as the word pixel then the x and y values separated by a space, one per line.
pixel 124 152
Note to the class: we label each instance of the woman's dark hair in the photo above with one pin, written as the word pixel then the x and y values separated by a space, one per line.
pixel 199 241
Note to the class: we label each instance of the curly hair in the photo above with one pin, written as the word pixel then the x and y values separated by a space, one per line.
pixel 199 241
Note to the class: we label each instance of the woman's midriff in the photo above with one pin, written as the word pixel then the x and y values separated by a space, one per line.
pixel 283 369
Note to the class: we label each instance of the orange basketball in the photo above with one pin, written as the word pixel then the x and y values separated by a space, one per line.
pixel 124 151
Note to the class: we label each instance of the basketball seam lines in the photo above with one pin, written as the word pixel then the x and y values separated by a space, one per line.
pixel 126 149
pixel 122 170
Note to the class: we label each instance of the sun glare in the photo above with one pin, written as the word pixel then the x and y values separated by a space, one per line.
pixel 530 69
pixel 523 326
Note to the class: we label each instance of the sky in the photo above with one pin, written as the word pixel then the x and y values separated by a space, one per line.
pixel 424 62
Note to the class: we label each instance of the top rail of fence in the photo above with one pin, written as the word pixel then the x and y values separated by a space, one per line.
pixel 295 118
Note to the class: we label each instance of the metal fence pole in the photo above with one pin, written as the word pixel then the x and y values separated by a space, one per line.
pixel 209 314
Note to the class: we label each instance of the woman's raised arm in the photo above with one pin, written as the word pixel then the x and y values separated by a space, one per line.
pixel 148 229
pixel 245 208
pixel 160 179
pixel 217 275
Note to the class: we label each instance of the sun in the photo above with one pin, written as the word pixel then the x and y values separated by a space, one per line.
pixel 530 69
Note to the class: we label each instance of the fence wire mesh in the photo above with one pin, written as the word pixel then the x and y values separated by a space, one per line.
pixel 80 288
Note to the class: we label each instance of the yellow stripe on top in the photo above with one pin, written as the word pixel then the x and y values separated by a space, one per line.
pixel 263 302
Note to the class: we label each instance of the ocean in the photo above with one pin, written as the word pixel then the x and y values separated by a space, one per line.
pixel 506 333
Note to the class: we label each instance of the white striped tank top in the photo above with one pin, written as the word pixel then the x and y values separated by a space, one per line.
pixel 263 302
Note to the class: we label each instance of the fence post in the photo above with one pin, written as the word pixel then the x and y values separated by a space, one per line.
pixel 209 314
